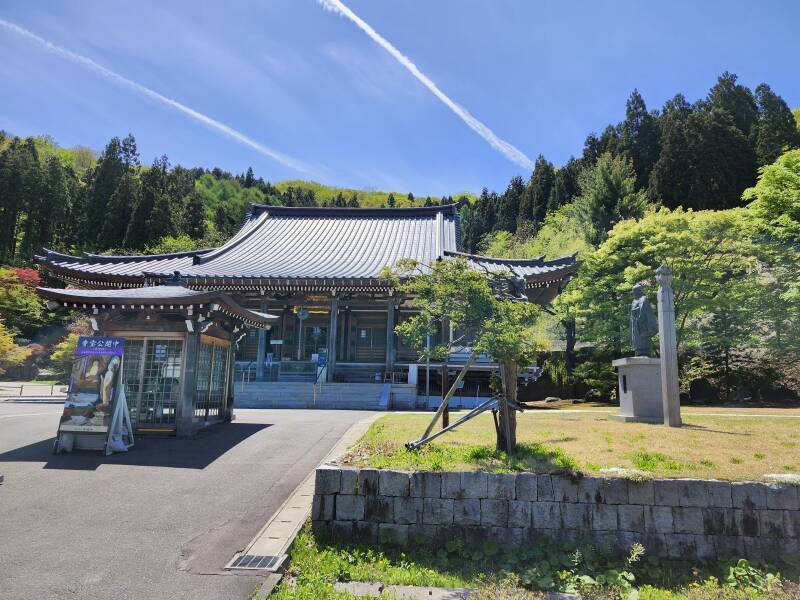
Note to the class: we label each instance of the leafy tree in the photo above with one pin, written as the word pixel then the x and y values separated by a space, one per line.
pixel 608 195
pixel 11 355
pixel 775 199
pixel 22 310
pixel 775 208
pixel 353 202
pixel 450 291
pixel 410 199
pixel 639 138
pixel 776 129
pixel 714 262
pixel 64 354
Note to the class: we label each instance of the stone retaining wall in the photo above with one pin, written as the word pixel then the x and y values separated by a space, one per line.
pixel 675 518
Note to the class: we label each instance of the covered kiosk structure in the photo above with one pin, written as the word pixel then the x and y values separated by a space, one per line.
pixel 318 270
pixel 180 344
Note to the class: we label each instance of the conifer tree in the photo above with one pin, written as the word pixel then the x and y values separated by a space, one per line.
pixel 533 204
pixel 194 216
pixel 776 130
pixel 639 138
pixel 608 195
pixel 736 100
pixel 509 202
pixel 390 201
pixel 249 178
pixel 565 185
pixel 119 211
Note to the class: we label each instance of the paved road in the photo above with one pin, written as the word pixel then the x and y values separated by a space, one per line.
pixel 158 522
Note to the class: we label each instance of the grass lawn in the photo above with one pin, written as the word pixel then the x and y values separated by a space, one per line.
pixel 714 447
pixel 317 564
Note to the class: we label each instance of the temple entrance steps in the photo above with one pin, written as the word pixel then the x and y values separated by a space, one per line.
pixel 363 396
pixel 360 373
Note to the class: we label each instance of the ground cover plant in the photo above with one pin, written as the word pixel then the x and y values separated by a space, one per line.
pixel 711 447
pixel 317 563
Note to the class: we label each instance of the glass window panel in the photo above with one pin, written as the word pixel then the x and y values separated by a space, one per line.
pixel 218 380
pixel 202 379
pixel 132 376
pixel 161 381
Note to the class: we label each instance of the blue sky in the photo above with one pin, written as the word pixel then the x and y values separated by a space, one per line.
pixel 309 84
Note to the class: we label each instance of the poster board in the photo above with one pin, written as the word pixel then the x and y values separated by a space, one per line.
pixel 95 410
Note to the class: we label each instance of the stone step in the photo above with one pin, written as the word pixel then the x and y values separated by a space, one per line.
pixel 306 395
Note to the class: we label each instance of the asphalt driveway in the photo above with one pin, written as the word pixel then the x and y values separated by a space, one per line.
pixel 158 522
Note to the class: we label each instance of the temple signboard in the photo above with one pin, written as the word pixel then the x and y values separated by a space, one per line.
pixel 95 410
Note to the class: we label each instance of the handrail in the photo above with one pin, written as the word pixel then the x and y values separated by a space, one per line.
pixel 245 372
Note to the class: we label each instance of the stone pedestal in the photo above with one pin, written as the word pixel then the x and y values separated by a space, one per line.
pixel 639 389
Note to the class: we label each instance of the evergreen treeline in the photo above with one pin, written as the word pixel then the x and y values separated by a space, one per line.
pixel 700 156
pixel 69 201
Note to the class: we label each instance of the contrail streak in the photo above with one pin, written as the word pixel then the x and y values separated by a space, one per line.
pixel 506 149
pixel 152 94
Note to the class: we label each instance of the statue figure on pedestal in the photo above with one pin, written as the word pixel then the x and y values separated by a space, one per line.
pixel 644 324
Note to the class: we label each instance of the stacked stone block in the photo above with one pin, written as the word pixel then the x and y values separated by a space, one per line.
pixel 675 518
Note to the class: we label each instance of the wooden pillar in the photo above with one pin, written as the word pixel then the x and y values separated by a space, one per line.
pixel 332 331
pixel 390 309
pixel 261 352
pixel 345 333
pixel 185 410
pixel 231 384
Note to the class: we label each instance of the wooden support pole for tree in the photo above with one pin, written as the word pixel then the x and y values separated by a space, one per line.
pixel 472 357
pixel 445 388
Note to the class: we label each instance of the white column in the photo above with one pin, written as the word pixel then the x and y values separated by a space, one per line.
pixel 668 348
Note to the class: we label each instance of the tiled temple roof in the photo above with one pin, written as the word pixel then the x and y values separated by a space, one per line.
pixel 156 295
pixel 305 248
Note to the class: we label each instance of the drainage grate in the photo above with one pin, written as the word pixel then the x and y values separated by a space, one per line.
pixel 257 562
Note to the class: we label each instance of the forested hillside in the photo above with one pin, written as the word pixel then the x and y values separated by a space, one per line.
pixel 72 200
pixel 699 155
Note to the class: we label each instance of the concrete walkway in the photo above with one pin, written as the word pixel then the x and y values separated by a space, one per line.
pixel 278 533
pixel 161 521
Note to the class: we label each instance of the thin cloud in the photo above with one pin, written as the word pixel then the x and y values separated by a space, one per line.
pixel 509 151
pixel 152 94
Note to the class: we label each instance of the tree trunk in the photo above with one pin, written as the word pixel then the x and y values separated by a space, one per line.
pixel 569 353
pixel 507 434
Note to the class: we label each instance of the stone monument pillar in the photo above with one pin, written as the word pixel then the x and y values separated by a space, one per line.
pixel 668 348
